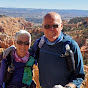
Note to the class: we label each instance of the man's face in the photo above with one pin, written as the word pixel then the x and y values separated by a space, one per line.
pixel 52 27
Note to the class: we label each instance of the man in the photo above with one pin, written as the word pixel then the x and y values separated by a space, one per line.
pixel 53 68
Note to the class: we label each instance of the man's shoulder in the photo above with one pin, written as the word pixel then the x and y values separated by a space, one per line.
pixel 67 38
pixel 37 41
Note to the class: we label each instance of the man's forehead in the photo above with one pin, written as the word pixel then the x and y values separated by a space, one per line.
pixel 51 20
pixel 52 17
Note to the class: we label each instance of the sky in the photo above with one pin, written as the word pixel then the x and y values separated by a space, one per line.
pixel 46 4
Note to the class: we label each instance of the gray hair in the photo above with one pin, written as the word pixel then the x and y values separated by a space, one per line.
pixel 22 32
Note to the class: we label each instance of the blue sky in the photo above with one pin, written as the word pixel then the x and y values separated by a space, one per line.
pixel 46 4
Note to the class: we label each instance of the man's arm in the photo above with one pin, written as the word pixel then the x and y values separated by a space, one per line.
pixel 78 75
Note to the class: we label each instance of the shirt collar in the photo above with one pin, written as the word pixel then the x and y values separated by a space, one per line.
pixel 59 39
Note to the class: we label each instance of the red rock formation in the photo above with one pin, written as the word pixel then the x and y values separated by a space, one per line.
pixel 3 45
pixel 71 25
pixel 84 50
pixel 11 25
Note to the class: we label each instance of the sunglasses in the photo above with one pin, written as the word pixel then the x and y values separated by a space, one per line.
pixel 49 26
pixel 21 42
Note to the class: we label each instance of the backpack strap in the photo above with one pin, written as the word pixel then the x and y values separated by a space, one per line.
pixel 9 69
pixel 69 55
pixel 39 45
pixel 41 42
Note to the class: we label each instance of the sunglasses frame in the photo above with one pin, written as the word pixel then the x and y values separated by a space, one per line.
pixel 49 26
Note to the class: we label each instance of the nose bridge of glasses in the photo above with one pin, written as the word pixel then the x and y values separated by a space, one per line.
pixel 50 27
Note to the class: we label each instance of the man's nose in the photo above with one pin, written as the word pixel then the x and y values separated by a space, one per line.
pixel 51 28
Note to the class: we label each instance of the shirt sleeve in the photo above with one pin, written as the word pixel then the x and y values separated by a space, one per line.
pixel 78 75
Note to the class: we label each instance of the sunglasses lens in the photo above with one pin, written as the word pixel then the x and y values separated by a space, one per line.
pixel 55 26
pixel 46 26
pixel 21 42
pixel 26 43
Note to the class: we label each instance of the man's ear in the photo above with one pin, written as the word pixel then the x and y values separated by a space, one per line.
pixel 61 26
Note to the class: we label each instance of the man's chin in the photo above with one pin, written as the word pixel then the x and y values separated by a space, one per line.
pixel 52 39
